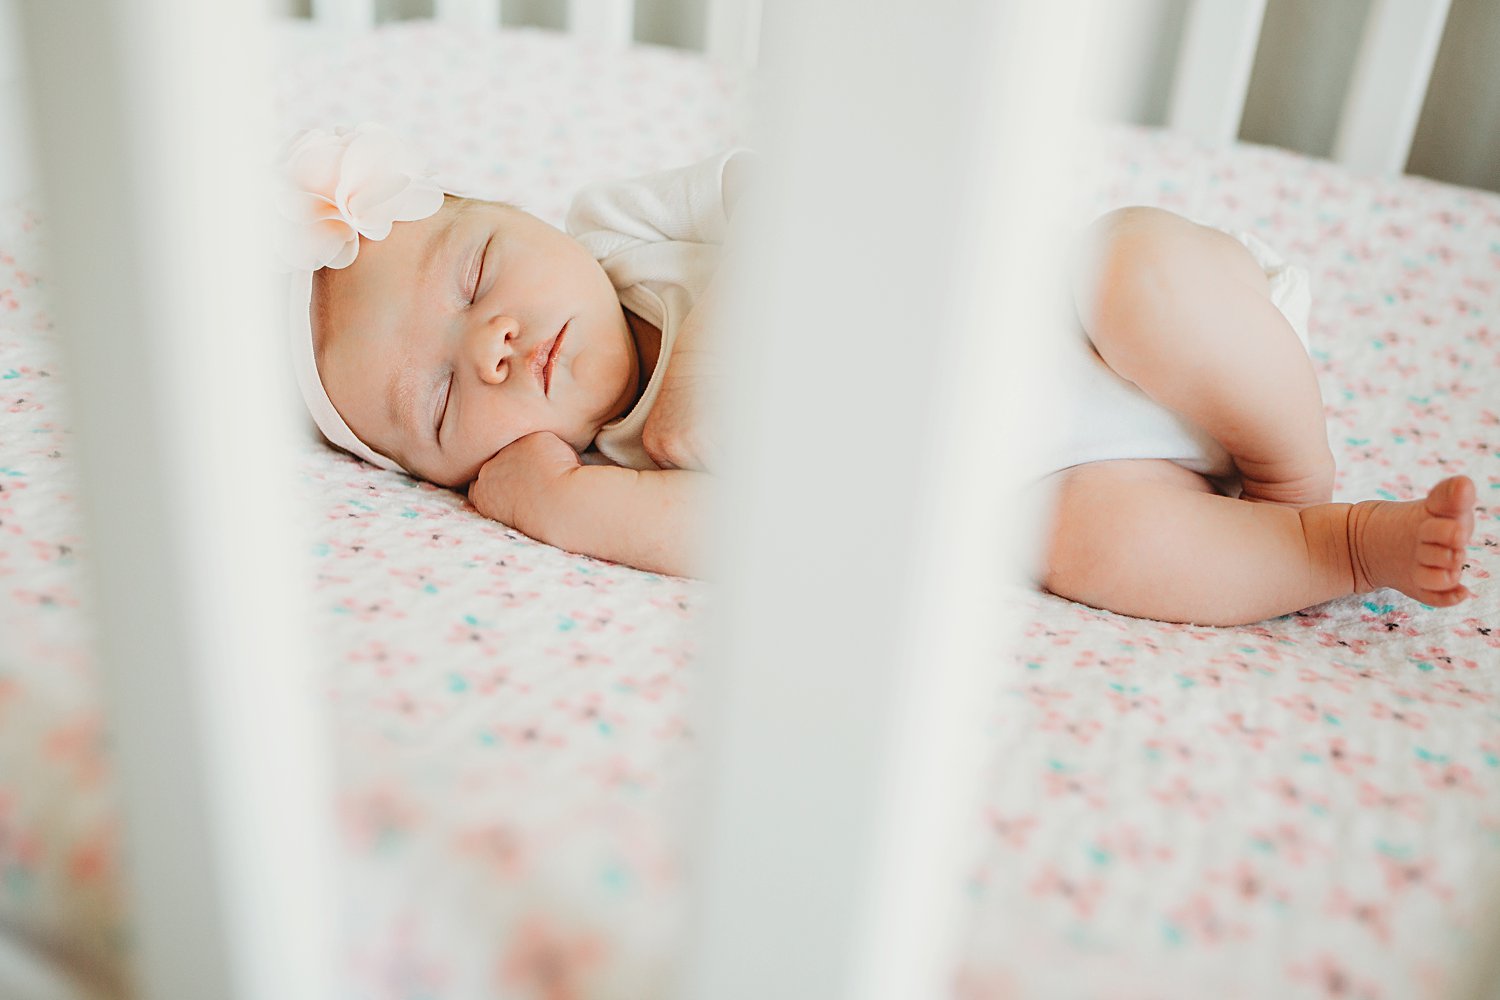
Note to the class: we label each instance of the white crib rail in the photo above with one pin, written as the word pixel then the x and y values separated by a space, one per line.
pixel 345 15
pixel 1386 89
pixel 1213 68
pixel 1389 83
pixel 468 13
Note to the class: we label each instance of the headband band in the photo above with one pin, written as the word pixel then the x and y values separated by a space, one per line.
pixel 336 187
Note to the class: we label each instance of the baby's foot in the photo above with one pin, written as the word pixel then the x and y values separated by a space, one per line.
pixel 1415 546
pixel 1289 484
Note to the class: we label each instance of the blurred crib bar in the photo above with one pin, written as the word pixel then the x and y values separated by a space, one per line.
pixel 185 437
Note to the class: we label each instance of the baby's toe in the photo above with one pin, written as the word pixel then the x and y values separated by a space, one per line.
pixel 1436 579
pixel 1452 498
pixel 1442 531
pixel 1441 556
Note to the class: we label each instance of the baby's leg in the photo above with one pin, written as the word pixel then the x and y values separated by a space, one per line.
pixel 1185 313
pixel 1151 539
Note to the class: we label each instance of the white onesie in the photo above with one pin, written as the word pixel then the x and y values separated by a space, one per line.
pixel 1111 418
pixel 659 239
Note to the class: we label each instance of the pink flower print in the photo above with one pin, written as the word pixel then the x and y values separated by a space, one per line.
pixel 1438 657
pixel 91 861
pixel 52 597
pixel 1478 627
pixel 508 597
pixel 1083 894
pixel 1342 759
pixel 1251 735
pixel 384 661
pixel 1402 874
pixel 1175 749
pixel 985 984
pixel 1295 797
pixel 377 818
pixel 1082 731
pixel 1180 792
pixel 1248 884
pixel 1408 805
pixel 1448 775
pixel 616 773
pixel 1127 842
pixel 406 707
pixel 419 579
pixel 1386 618
pixel 1042 697
pixel 1460 691
pixel 1412 720
pixel 1326 974
pixel 1015 831
pixel 78 745
pixel 651 688
pixel 1201 920
pixel 1301 706
pixel 593 621
pixel 1356 646
pixel 1055 636
pixel 370 611
pixel 677 604
pixel 546 960
pixel 1374 915
pixel 481 681
pixel 1127 700
pixel 589 711
pixel 1058 782
pixel 530 734
pixel 498 848
pixel 470 631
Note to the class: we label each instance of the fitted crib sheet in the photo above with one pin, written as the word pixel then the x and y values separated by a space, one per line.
pixel 1305 807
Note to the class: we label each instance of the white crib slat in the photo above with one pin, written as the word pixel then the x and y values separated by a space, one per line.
pixel 610 22
pixel 344 15
pixel 1213 68
pixel 197 566
pixel 733 35
pixel 863 618
pixel 1389 84
pixel 478 14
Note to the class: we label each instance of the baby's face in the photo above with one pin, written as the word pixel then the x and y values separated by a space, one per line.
pixel 433 342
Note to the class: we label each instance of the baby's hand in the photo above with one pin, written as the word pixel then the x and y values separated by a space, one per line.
pixel 512 485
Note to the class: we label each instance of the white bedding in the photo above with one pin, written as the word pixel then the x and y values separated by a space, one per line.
pixel 1302 808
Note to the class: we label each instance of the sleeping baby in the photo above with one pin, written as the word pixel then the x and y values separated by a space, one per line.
pixel 561 378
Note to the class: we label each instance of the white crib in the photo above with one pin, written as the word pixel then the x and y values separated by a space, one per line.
pixel 228 829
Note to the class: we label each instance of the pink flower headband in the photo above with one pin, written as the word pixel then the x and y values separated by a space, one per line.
pixel 337 186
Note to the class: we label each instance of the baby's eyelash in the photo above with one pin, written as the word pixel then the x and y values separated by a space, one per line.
pixel 478 272
pixel 443 412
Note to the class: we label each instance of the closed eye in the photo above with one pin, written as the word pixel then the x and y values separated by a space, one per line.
pixel 443 410
pixel 478 272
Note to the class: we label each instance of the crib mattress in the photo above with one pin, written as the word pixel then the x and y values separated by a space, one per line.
pixel 1306 807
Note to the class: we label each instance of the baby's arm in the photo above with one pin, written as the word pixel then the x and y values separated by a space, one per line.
pixel 650 520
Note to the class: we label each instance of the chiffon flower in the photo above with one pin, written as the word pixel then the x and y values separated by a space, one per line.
pixel 338 185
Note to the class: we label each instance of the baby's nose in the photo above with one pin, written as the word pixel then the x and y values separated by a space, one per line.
pixel 492 346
